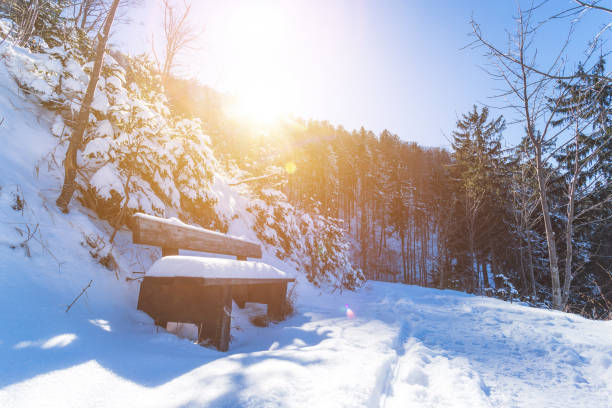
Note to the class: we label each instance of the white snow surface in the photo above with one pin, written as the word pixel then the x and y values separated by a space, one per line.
pixel 205 267
pixel 385 345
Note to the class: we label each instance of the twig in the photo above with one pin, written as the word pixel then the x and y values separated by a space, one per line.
pixel 248 180
pixel 80 294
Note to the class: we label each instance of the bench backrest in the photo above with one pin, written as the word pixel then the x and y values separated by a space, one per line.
pixel 172 235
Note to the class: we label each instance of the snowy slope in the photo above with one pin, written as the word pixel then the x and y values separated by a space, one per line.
pixel 397 345
pixel 406 346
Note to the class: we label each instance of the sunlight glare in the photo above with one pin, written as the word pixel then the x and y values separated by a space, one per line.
pixel 349 313
pixel 290 167
pixel 258 44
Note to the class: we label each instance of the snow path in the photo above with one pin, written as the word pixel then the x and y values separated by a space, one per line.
pixel 407 346
pixel 482 352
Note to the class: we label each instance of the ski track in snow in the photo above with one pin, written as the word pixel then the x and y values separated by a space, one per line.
pixel 472 351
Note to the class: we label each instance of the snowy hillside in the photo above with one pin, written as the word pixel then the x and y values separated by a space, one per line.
pixel 405 346
pixel 387 345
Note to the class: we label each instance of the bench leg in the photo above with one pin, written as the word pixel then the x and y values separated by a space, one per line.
pixel 240 295
pixel 277 296
pixel 149 300
pixel 225 319
pixel 217 316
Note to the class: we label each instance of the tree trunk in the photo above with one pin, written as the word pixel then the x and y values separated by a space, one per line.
pixel 473 271
pixel 76 140
pixel 485 273
pixel 403 257
pixel 567 279
pixel 550 234
pixel 521 256
pixel 531 273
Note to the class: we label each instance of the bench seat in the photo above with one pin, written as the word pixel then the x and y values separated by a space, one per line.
pixel 214 268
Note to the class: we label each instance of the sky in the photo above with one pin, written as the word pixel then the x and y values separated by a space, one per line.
pixel 396 65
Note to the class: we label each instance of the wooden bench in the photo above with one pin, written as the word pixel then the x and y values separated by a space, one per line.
pixel 200 290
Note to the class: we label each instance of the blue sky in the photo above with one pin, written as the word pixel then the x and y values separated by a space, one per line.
pixel 397 65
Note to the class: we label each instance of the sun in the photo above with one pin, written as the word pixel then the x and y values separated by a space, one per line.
pixel 256 44
pixel 259 105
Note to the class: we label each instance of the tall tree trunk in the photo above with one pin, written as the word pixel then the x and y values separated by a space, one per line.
pixel 413 260
pixel 531 274
pixel 403 256
pixel 567 279
pixel 550 234
pixel 473 270
pixel 521 256
pixel 382 235
pixel 76 140
pixel 485 272
pixel 542 187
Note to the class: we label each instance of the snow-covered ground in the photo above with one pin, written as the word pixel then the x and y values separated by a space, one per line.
pixel 387 345
pixel 405 347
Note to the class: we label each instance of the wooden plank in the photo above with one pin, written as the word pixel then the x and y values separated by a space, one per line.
pixel 169 251
pixel 154 231
pixel 251 281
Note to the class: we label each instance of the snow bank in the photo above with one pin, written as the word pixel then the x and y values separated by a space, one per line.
pixel 201 267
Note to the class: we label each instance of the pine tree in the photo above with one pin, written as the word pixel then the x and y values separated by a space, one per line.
pixel 477 154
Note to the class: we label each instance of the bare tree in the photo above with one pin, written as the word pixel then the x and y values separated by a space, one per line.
pixel 76 140
pixel 89 15
pixel 180 35
pixel 574 13
pixel 525 206
pixel 25 14
pixel 533 93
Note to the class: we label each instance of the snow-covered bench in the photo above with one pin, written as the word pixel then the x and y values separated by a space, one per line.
pixel 199 290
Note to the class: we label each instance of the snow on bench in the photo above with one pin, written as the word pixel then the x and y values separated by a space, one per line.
pixel 200 290
pixel 215 268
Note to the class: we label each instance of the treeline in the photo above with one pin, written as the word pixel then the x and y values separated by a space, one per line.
pixel 467 219
pixel 530 221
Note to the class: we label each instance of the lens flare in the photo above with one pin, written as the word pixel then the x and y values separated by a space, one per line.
pixel 290 167
pixel 349 313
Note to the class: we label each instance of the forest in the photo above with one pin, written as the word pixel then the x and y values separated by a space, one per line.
pixel 530 221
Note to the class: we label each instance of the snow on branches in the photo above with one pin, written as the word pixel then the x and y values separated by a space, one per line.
pixel 137 156
pixel 317 243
